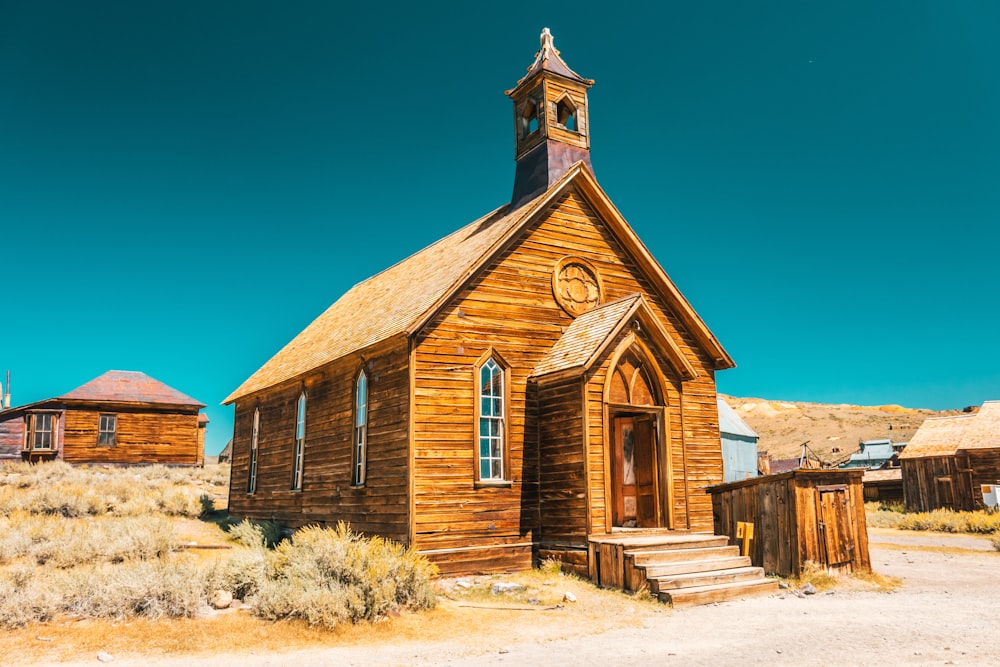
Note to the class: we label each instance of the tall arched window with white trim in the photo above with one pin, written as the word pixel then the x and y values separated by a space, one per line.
pixel 492 428
pixel 359 458
pixel 254 441
pixel 300 442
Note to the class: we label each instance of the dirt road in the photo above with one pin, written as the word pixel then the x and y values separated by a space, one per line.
pixel 947 612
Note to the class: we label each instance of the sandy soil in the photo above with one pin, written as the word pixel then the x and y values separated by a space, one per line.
pixel 947 612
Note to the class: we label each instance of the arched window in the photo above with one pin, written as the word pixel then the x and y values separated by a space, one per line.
pixel 631 383
pixel 566 114
pixel 359 459
pixel 300 442
pixel 254 441
pixel 492 414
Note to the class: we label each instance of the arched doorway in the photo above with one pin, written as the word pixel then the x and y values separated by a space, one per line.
pixel 635 420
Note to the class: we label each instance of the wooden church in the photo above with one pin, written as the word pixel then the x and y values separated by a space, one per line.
pixel 532 385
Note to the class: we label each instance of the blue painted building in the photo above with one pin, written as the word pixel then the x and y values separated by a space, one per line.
pixel 739 445
pixel 873 454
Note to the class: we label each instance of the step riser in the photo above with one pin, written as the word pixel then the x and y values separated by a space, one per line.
pixel 692 567
pixel 646 558
pixel 708 579
pixel 701 543
pixel 684 598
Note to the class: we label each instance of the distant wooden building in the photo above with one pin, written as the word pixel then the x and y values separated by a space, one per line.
pixel 527 382
pixel 739 445
pixel 948 460
pixel 121 417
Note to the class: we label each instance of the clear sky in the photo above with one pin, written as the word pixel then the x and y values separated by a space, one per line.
pixel 184 186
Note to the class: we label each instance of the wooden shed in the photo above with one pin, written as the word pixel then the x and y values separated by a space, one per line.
pixel 800 516
pixel 121 417
pixel 522 385
pixel 948 459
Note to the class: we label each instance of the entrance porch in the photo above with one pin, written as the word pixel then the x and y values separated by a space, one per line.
pixel 681 568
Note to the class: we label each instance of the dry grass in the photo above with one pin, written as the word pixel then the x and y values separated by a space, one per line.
pixel 980 522
pixel 595 611
pixel 855 581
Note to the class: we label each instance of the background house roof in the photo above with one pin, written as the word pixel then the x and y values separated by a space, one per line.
pixel 984 431
pixel 938 436
pixel 730 422
pixel 129 387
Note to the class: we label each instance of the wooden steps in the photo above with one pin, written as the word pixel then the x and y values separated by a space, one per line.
pixel 681 569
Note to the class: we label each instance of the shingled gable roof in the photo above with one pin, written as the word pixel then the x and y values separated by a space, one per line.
pixel 937 436
pixel 984 431
pixel 129 387
pixel 589 335
pixel 404 297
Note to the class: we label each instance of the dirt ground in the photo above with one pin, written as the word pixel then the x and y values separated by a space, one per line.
pixel 947 612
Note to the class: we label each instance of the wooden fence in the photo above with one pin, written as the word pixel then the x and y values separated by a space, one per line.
pixel 798 516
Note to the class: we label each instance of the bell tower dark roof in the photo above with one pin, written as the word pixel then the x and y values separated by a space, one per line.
pixel 551 123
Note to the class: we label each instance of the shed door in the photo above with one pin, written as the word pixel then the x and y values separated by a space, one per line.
pixel 837 537
pixel 634 472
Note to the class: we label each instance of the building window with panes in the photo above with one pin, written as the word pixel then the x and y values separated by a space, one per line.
pixel 359 458
pixel 300 442
pixel 492 434
pixel 106 430
pixel 252 467
pixel 41 431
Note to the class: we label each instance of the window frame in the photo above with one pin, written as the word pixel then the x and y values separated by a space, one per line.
pixel 298 450
pixel 102 431
pixel 500 422
pixel 33 431
pixel 254 449
pixel 359 431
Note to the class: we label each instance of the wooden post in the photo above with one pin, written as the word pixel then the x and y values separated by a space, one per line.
pixel 744 532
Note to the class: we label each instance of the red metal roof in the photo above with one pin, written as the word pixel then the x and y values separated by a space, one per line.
pixel 129 387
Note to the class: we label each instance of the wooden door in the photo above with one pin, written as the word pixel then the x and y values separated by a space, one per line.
pixel 633 472
pixel 837 537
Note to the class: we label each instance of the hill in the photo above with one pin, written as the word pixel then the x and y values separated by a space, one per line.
pixel 832 431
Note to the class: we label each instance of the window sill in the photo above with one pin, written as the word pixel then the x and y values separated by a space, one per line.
pixel 494 484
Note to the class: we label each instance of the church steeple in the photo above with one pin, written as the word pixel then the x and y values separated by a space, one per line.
pixel 551 125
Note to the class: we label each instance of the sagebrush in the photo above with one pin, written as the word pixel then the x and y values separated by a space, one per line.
pixel 100 543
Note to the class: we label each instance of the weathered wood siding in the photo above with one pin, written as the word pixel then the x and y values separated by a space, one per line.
pixel 142 436
pixel 381 505
pixel 985 465
pixel 562 470
pixel 509 307
pixel 799 516
pixel 11 438
pixel 929 481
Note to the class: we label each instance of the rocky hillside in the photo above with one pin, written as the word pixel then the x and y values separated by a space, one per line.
pixel 832 431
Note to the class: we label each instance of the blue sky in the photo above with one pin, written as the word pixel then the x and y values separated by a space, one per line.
pixel 185 185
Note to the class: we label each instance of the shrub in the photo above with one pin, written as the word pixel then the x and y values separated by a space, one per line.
pixel 947 521
pixel 241 574
pixel 152 589
pixel 69 542
pixel 326 576
pixel 25 598
pixel 60 489
pixel 256 534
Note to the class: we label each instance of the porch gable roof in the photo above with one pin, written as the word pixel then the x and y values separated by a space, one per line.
pixel 588 337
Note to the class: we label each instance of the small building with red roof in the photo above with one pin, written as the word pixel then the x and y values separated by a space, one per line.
pixel 120 417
